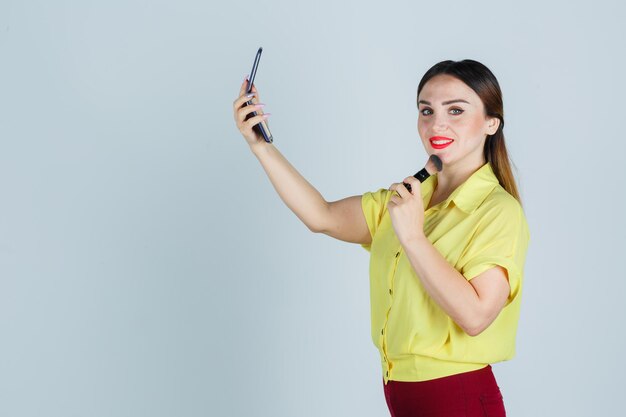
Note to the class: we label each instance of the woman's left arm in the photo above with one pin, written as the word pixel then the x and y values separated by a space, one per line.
pixel 474 304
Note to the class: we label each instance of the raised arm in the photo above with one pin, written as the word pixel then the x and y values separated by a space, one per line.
pixel 343 219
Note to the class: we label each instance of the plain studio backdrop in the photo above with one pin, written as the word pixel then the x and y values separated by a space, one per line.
pixel 149 268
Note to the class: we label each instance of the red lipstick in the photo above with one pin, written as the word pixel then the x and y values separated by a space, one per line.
pixel 441 144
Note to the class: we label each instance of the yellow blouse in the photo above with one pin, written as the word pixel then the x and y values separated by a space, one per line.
pixel 478 226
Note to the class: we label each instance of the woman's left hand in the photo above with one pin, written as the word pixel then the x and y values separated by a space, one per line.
pixel 407 210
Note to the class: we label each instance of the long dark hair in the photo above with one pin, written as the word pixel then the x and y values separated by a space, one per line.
pixel 480 79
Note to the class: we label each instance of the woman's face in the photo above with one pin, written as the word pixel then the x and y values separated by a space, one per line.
pixel 462 122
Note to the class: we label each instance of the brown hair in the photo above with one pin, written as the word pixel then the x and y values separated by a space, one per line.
pixel 480 79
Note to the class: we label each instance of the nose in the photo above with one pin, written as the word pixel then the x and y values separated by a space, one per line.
pixel 440 124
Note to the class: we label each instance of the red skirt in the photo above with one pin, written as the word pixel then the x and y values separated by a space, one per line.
pixel 467 394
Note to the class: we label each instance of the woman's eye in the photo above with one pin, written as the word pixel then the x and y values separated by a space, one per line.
pixel 424 111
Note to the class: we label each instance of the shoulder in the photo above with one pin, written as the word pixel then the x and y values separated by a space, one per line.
pixel 378 198
pixel 502 209
pixel 380 193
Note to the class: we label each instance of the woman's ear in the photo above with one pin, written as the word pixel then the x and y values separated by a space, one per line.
pixel 493 125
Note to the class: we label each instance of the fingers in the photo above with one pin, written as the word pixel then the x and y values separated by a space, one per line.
pixel 239 102
pixel 400 189
pixel 243 112
pixel 243 97
pixel 244 88
pixel 255 120
pixel 412 184
pixel 394 187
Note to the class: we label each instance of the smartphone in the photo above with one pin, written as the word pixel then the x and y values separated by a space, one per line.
pixel 261 127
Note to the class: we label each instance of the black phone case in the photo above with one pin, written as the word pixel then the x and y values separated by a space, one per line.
pixel 261 128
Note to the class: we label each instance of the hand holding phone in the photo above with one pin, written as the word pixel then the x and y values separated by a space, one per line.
pixel 261 128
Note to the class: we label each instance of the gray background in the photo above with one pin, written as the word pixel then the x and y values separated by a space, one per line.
pixel 149 268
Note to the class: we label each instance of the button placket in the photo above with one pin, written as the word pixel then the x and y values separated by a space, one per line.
pixel 382 331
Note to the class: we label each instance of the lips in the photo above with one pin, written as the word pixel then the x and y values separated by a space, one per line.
pixel 442 142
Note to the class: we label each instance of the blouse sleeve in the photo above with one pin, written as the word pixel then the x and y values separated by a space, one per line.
pixel 501 238
pixel 374 205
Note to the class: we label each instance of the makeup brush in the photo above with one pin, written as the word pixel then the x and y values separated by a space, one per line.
pixel 433 165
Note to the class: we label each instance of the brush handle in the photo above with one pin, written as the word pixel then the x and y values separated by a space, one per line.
pixel 421 175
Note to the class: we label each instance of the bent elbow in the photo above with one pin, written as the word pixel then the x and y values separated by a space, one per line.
pixel 473 332
pixel 478 327
pixel 315 229
pixel 475 328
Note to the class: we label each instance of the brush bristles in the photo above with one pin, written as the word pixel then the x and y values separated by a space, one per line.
pixel 434 164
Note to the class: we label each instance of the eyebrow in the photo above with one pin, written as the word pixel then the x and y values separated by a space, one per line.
pixel 445 102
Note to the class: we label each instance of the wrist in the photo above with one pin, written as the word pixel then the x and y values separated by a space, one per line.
pixel 259 146
pixel 417 239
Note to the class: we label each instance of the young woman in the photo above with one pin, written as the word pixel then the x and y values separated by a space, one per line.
pixel 446 263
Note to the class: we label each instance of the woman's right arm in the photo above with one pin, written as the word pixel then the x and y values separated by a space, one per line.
pixel 343 219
